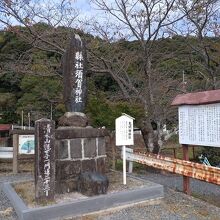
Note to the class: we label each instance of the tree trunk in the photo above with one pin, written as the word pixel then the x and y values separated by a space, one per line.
pixel 151 137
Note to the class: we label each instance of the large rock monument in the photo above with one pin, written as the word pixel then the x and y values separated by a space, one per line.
pixel 80 149
pixel 74 68
pixel 71 158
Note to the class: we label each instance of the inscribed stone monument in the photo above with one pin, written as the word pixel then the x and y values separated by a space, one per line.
pixel 44 160
pixel 74 75
pixel 79 147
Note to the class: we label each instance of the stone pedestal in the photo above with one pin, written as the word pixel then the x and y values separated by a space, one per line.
pixel 78 150
pixel 75 119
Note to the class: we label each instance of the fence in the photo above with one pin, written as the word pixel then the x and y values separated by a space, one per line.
pixel 6 152
pixel 183 167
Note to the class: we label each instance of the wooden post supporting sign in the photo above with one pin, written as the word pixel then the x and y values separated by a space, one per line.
pixel 198 122
pixel 124 136
pixel 15 153
pixel 186 179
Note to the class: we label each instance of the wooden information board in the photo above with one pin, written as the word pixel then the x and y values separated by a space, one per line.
pixel 200 124
pixel 124 130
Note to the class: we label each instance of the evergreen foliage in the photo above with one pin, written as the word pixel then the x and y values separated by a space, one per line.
pixel 30 79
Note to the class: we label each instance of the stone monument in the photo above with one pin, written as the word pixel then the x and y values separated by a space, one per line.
pixel 44 160
pixel 74 67
pixel 71 158
pixel 80 149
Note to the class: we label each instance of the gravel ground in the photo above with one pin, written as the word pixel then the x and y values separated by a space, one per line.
pixel 203 190
pixel 175 205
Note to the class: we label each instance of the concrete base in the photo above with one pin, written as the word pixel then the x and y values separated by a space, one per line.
pixel 82 206
pixel 78 150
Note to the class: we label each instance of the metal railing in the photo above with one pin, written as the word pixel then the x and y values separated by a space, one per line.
pixel 6 152
pixel 186 168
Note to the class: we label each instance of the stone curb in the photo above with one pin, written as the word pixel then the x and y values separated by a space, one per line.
pixel 15 200
pixel 82 206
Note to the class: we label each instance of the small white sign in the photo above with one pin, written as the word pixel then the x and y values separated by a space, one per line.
pixel 124 130
pixel 26 144
pixel 200 125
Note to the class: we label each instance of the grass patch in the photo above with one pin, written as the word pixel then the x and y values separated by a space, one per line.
pixel 26 191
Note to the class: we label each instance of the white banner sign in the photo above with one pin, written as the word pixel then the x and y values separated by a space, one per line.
pixel 26 144
pixel 200 125
pixel 124 130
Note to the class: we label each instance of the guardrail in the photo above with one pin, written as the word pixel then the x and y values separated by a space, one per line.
pixel 22 127
pixel 182 167
pixel 6 152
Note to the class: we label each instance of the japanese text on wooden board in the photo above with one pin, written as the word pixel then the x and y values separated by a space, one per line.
pixel 200 125
pixel 124 131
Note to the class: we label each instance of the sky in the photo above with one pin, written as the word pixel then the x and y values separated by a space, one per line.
pixel 84 5
pixel 85 8
pixel 86 12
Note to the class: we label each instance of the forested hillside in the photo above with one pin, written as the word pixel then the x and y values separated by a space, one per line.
pixel 141 54
pixel 31 78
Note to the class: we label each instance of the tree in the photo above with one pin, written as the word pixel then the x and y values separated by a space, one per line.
pixel 42 25
pixel 42 21
pixel 8 114
pixel 38 96
pixel 202 30
pixel 14 80
pixel 142 70
pixel 33 42
pixel 147 22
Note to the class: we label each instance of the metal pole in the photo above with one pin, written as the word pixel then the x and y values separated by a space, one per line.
pixel 124 165
pixel 183 77
pixel 184 82
pixel 29 120
pixel 51 111
pixel 22 119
